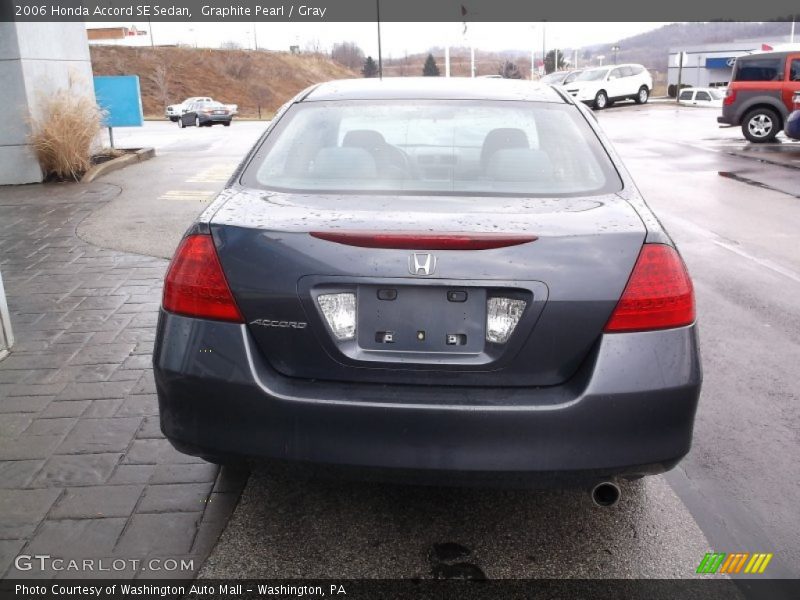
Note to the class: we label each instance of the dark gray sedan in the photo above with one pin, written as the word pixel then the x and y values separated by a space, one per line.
pixel 432 279
pixel 206 114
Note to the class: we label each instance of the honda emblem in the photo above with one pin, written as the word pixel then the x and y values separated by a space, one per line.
pixel 421 263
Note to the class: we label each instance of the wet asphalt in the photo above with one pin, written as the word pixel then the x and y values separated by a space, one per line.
pixel 736 222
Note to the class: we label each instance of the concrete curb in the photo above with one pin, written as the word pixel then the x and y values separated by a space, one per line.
pixel 139 155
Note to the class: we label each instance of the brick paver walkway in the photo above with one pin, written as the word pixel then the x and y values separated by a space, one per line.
pixel 84 469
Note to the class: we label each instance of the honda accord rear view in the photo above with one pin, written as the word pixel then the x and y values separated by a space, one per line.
pixel 431 278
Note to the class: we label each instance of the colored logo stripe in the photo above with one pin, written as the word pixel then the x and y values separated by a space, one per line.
pixel 721 562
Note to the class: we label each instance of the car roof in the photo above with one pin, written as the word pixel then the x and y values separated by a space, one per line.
pixel 771 54
pixel 433 88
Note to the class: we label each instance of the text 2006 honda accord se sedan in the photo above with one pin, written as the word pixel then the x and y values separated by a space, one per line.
pixel 444 278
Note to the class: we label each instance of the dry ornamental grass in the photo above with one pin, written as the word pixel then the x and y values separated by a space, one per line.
pixel 63 135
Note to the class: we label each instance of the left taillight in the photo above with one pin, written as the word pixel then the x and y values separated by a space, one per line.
pixel 195 285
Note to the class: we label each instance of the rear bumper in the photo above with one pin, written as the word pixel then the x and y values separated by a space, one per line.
pixel 215 118
pixel 628 411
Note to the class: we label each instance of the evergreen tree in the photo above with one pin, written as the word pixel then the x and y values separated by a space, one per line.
pixel 548 61
pixel 508 70
pixel 430 69
pixel 370 69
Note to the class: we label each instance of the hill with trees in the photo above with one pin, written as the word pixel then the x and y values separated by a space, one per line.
pixel 259 82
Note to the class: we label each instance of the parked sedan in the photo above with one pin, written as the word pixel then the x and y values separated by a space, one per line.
pixel 206 114
pixel 432 278
pixel 708 97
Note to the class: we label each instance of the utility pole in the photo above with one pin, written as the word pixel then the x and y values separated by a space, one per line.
pixel 255 37
pixel 472 60
pixel 544 50
pixel 150 25
pixel 680 75
pixel 380 54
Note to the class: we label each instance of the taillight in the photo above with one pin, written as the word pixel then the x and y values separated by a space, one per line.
pixel 195 284
pixel 730 97
pixel 412 240
pixel 658 295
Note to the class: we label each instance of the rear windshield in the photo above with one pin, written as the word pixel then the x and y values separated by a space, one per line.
pixel 433 147
pixel 759 69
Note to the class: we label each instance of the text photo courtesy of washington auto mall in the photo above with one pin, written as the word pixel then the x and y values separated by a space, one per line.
pixel 375 299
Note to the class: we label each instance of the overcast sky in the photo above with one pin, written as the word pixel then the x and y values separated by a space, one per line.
pixel 397 38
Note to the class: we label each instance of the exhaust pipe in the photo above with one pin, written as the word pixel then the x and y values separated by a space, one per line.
pixel 606 493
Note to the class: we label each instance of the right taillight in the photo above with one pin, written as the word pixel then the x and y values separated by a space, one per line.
pixel 658 295
pixel 730 97
pixel 195 284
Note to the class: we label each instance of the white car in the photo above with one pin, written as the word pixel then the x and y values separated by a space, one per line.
pixel 175 111
pixel 602 86
pixel 711 97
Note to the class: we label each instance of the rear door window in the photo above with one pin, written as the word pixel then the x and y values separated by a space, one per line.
pixel 703 96
pixel 686 95
pixel 759 69
pixel 794 70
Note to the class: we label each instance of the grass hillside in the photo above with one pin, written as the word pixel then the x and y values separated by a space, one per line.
pixel 168 75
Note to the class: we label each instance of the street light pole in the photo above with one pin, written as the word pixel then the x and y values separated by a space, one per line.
pixel 380 55
pixel 615 49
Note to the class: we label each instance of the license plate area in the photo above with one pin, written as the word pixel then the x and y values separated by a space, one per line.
pixel 421 319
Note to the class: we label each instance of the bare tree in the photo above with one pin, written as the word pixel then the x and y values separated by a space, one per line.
pixel 238 64
pixel 313 46
pixel 262 95
pixel 160 79
pixel 230 45
pixel 348 54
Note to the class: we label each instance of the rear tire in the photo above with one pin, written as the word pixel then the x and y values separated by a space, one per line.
pixel 761 125
pixel 643 96
pixel 600 100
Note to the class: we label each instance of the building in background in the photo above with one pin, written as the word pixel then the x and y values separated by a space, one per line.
pixel 118 36
pixel 711 65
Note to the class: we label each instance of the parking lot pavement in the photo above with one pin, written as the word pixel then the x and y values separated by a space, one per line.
pixel 288 527
pixel 84 469
pixel 158 199
pixel 739 240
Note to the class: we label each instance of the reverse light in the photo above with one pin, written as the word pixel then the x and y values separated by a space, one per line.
pixel 339 311
pixel 502 316
pixel 195 285
pixel 658 295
